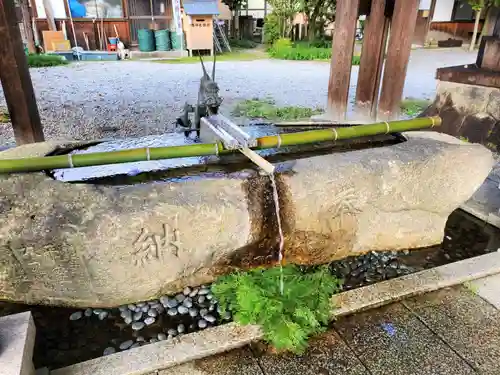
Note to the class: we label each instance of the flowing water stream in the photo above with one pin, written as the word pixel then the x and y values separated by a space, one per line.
pixel 280 230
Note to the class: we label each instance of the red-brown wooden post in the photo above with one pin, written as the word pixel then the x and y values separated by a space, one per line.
pixel 398 54
pixel 343 46
pixel 16 80
pixel 372 60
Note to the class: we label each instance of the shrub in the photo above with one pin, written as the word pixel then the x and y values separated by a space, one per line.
pixel 285 50
pixel 242 43
pixel 266 109
pixel 271 29
pixel 287 319
pixel 40 61
pixel 4 117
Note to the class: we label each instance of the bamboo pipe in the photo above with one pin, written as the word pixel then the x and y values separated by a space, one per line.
pixel 206 149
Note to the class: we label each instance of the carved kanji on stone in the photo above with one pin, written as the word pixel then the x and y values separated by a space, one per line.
pixel 154 246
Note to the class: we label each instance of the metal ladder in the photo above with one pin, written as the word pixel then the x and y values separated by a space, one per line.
pixel 220 39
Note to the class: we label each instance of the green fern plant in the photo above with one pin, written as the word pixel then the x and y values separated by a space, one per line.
pixel 287 319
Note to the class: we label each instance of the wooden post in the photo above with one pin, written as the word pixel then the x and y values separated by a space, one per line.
pixel 372 60
pixel 28 28
pixel 398 55
pixel 16 80
pixel 342 48
pixel 429 19
pixel 49 14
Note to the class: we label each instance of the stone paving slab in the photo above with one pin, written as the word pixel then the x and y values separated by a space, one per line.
pixel 466 322
pixel 392 341
pixel 17 340
pixel 487 288
pixel 235 362
pixel 326 354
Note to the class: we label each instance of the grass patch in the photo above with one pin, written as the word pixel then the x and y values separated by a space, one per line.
pixel 320 50
pixel 413 107
pixel 287 319
pixel 4 117
pixel 43 61
pixel 267 109
pixel 242 43
pixel 235 55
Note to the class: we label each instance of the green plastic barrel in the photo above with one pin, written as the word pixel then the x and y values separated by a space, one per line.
pixel 163 40
pixel 146 40
pixel 176 40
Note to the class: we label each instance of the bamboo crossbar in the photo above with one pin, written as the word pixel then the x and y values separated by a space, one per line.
pixel 205 149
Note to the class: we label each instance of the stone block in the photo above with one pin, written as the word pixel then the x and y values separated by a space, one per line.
pixel 17 340
pixel 102 245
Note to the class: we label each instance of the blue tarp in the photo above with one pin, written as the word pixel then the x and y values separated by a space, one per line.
pixel 200 7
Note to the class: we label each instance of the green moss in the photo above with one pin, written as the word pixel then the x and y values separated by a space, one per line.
pixel 4 117
pixel 42 61
pixel 413 107
pixel 287 319
pixel 267 109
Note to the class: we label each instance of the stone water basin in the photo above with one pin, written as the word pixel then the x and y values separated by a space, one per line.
pixel 115 235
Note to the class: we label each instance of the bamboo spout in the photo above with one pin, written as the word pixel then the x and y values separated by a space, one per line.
pixel 205 149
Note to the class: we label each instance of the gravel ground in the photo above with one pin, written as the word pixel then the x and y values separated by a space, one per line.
pixel 136 98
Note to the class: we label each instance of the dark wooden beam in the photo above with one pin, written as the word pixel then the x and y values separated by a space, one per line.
pixel 372 60
pixel 398 55
pixel 340 69
pixel 469 75
pixel 16 80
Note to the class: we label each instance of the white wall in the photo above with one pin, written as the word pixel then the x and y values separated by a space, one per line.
pixel 425 4
pixel 443 10
pixel 57 8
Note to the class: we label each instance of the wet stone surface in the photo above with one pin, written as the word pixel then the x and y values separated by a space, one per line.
pixel 67 336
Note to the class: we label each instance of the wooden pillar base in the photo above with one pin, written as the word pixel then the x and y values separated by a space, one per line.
pixel 16 79
pixel 341 65
pixel 372 61
pixel 398 56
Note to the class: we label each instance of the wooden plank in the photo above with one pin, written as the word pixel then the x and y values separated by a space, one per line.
pixel 432 10
pixel 340 68
pixel 372 60
pixel 469 76
pixel 489 54
pixel 398 55
pixel 28 29
pixel 16 79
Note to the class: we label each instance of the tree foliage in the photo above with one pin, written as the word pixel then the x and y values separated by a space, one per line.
pixel 287 319
pixel 318 12
pixel 480 6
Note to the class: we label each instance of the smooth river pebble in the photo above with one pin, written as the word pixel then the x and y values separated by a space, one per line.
pixel 162 336
pixel 138 316
pixel 181 328
pixel 109 350
pixel 203 312
pixel 172 332
pixel 188 302
pixel 149 320
pixel 180 297
pixel 126 344
pixel 172 312
pixel 76 315
pixel 202 323
pixel 153 313
pixel 137 326
pixel 194 292
pixel 88 312
pixel 183 310
pixel 103 315
pixel 209 318
pixel 186 291
pixel 193 312
pixel 172 303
